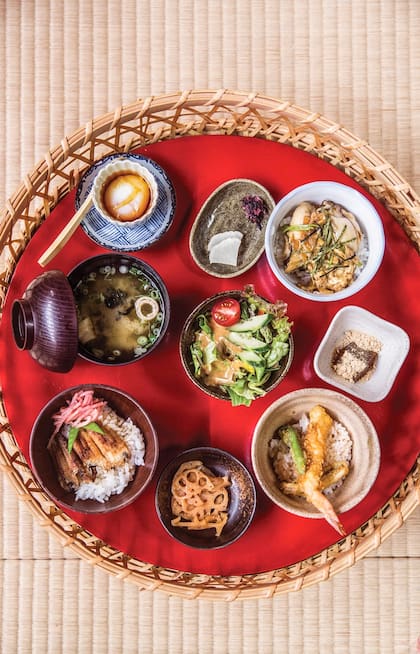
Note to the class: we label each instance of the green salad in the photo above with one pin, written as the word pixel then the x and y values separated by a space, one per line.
pixel 238 344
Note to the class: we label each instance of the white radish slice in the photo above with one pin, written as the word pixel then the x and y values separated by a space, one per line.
pixel 226 251
pixel 221 236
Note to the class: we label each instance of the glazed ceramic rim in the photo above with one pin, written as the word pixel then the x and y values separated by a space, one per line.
pixel 195 226
pixel 109 170
pixel 101 507
pixel 357 390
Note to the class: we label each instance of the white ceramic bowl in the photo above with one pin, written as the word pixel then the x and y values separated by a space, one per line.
pixel 395 346
pixel 367 218
pixel 365 461
pixel 111 170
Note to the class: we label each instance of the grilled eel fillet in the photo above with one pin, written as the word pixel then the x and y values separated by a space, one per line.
pixel 71 471
pixel 91 451
pixel 111 445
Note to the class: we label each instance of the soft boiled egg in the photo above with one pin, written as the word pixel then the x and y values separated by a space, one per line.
pixel 126 197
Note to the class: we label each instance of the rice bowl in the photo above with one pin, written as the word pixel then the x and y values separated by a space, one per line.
pixel 372 243
pixel 365 450
pixel 98 486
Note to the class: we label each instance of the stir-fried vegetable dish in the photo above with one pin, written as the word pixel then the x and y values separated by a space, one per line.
pixel 321 247
pixel 239 355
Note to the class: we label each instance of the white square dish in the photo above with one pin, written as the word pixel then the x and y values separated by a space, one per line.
pixel 395 346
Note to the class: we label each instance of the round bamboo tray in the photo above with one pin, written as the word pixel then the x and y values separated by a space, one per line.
pixel 166 117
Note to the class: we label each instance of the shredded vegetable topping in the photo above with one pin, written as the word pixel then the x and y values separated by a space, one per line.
pixel 82 409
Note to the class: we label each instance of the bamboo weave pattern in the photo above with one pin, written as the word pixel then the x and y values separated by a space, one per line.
pixel 172 116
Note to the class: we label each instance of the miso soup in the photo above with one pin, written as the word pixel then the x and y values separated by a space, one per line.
pixel 120 313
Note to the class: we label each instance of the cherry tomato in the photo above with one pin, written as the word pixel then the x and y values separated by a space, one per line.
pixel 226 312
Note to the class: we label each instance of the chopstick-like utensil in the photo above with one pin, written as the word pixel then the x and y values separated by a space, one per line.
pixel 66 233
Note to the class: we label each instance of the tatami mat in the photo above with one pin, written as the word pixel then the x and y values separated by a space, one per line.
pixel 66 605
pixel 66 61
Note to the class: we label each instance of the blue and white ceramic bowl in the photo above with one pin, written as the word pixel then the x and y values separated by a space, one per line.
pixel 128 238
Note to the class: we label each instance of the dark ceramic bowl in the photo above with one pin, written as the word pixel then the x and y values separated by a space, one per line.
pixel 44 320
pixel 119 263
pixel 44 466
pixel 242 498
pixel 187 338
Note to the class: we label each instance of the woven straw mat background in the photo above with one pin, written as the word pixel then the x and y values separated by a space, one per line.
pixel 63 62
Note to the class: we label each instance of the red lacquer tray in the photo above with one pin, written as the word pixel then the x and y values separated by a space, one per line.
pixel 183 416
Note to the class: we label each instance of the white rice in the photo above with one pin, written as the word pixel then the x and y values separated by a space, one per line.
pixel 113 482
pixel 339 447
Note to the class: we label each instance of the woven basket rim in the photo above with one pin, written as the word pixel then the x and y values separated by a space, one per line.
pixel 162 117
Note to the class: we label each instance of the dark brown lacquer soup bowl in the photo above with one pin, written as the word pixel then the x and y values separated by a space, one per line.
pixel 44 322
pixel 112 309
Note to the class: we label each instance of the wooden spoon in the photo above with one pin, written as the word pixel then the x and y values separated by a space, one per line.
pixel 66 233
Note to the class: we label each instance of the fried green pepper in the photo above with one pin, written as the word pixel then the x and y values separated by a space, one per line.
pixel 291 438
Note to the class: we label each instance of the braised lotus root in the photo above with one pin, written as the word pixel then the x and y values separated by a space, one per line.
pixel 199 499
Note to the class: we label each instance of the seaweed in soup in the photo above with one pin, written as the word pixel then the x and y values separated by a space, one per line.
pixel 111 329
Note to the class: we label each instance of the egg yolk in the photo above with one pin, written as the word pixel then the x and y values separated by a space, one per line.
pixel 127 197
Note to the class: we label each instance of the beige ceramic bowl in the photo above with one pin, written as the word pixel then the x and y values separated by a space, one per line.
pixel 109 172
pixel 365 455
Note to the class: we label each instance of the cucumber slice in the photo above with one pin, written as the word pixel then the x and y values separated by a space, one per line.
pixel 252 324
pixel 250 356
pixel 247 342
